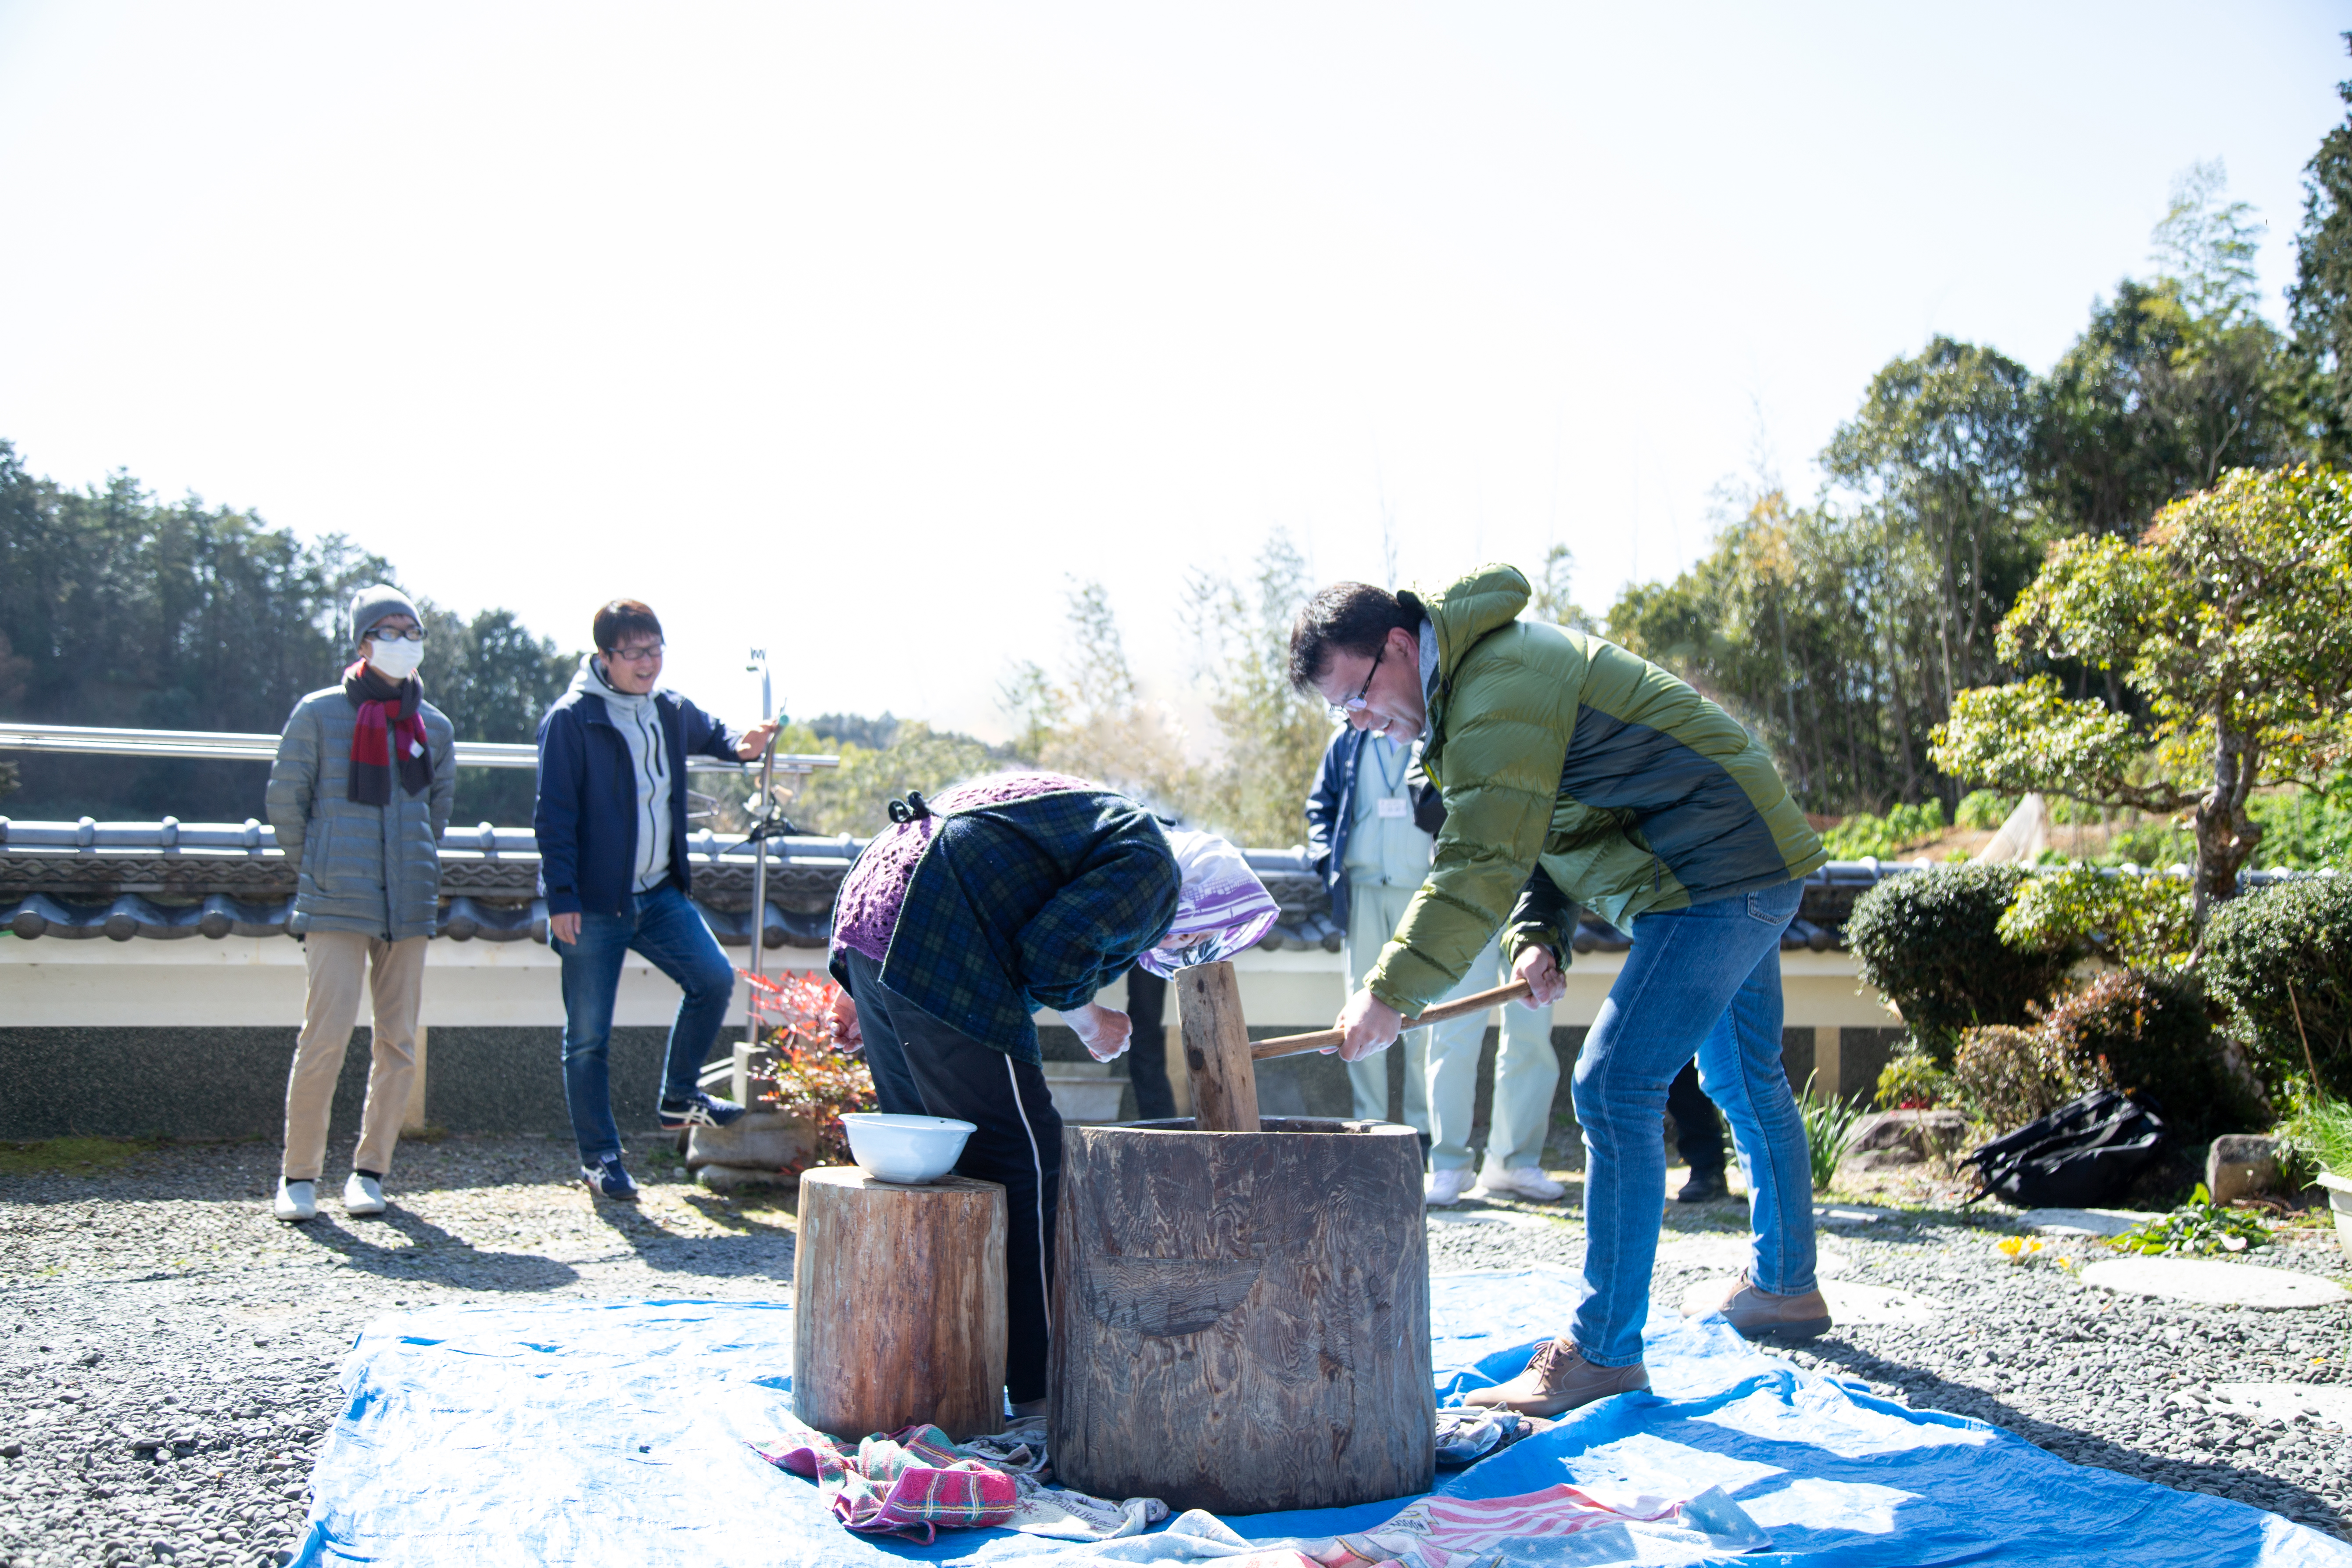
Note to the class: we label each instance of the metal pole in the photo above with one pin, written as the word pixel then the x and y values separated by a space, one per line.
pixel 760 855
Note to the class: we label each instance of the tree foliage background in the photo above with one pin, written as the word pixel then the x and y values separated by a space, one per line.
pixel 120 609
pixel 1843 632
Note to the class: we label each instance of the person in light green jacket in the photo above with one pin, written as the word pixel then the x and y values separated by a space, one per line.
pixel 1574 771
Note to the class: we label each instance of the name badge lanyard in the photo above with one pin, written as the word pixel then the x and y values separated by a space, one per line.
pixel 1390 805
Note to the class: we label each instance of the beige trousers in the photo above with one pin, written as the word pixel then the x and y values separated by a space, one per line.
pixel 337 962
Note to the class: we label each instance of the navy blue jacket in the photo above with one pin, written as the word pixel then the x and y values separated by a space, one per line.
pixel 586 817
pixel 1331 817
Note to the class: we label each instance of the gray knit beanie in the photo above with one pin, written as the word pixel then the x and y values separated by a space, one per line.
pixel 370 605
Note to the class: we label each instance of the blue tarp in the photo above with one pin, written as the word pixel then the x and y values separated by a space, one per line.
pixel 622 1434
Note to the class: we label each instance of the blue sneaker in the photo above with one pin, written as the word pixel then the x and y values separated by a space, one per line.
pixel 608 1178
pixel 698 1110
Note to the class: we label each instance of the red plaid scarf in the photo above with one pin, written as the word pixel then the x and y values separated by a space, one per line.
pixel 386 709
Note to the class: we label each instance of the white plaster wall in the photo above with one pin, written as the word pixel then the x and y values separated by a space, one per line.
pixel 247 981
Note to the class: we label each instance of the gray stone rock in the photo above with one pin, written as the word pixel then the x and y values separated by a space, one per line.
pixel 745 1178
pixel 2210 1282
pixel 2240 1164
pixel 1888 1137
pixel 758 1140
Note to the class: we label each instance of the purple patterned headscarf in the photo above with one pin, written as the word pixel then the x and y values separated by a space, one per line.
pixel 1221 908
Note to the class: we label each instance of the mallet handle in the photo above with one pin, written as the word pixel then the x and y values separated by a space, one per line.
pixel 1291 1044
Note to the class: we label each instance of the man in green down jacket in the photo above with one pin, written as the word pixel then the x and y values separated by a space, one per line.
pixel 359 795
pixel 1573 773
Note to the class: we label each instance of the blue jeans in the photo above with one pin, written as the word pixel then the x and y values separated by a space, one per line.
pixel 668 930
pixel 1704 981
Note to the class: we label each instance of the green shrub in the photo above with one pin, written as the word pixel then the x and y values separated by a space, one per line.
pixel 1862 835
pixel 1912 1081
pixel 1984 808
pixel 2306 830
pixel 2009 1076
pixel 1828 1128
pixel 2197 1227
pixel 2320 1130
pixel 2273 953
pixel 2150 1034
pixel 2144 921
pixel 2155 844
pixel 1931 943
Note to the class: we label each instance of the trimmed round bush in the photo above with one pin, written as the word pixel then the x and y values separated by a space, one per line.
pixel 2150 1034
pixel 2273 952
pixel 2011 1076
pixel 1930 941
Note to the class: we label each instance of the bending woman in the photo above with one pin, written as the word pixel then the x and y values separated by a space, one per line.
pixel 1005 895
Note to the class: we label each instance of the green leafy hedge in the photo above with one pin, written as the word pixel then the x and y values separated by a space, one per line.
pixel 2273 952
pixel 1930 941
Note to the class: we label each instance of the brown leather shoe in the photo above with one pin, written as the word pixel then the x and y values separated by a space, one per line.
pixel 1560 1379
pixel 1783 1320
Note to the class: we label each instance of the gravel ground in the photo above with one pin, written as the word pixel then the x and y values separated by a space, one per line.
pixel 168 1351
pixel 2120 1381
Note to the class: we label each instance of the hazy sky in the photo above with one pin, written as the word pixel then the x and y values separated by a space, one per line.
pixel 856 330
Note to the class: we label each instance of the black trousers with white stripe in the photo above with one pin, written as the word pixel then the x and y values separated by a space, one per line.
pixel 923 1067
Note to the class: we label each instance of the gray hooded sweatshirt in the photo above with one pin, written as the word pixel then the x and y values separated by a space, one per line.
pixel 639 723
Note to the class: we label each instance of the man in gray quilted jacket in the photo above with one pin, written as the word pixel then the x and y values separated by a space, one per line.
pixel 358 796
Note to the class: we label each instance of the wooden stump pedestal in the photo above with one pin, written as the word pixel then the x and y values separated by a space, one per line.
pixel 899 1304
pixel 1240 1319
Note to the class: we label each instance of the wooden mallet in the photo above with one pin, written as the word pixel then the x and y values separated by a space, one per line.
pixel 1221 1062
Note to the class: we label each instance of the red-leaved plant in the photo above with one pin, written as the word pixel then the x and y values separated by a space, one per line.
pixel 813 1079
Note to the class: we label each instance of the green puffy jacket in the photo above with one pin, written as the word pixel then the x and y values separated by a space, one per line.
pixel 1574 773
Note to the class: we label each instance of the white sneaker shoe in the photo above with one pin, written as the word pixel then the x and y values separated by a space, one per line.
pixel 1522 1182
pixel 296 1200
pixel 362 1195
pixel 1444 1189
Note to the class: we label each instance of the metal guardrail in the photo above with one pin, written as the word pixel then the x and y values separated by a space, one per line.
pixel 233 745
pixel 252 836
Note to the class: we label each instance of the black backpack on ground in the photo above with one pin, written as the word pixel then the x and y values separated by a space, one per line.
pixel 2084 1155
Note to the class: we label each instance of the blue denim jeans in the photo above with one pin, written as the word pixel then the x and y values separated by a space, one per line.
pixel 668 931
pixel 1704 981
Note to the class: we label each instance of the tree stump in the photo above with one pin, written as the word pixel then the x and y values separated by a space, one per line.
pixel 899 1304
pixel 1240 1319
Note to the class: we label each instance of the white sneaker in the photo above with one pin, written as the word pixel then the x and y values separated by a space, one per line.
pixel 295 1201
pixel 362 1195
pixel 1444 1189
pixel 1521 1181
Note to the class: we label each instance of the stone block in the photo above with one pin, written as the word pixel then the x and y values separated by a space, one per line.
pixel 758 1140
pixel 2240 1164
pixel 745 1178
pixel 1889 1138
pixel 1084 1091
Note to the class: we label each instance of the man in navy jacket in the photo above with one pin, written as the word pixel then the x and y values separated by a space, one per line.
pixel 611 824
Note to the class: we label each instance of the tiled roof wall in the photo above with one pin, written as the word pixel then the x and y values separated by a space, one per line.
pixel 165 880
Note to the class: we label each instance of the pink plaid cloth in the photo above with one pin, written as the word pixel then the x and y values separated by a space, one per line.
pixel 908 1484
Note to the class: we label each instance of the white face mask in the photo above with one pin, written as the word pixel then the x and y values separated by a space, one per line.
pixel 395 658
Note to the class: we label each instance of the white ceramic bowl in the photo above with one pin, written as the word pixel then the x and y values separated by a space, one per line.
pixel 911 1149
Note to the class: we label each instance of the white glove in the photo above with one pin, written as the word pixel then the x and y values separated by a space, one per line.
pixel 1101 1030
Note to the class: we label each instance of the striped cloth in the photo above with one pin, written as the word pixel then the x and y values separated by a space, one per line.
pixel 908 1484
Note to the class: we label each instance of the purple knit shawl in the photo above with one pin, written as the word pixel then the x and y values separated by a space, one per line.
pixel 866 912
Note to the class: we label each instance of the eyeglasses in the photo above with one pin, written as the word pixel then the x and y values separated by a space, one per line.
pixel 1355 704
pixel 396 634
pixel 648 654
